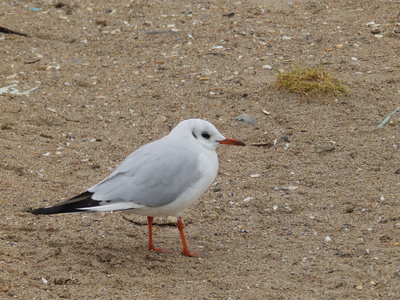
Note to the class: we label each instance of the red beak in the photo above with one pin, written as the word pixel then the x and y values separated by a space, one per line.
pixel 234 142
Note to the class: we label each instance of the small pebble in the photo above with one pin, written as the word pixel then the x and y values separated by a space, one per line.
pixel 274 255
pixel 116 31
pixel 290 188
pixel 77 60
pixel 375 31
pixel 255 175
pixel 159 121
pixel 267 113
pixel 267 67
pixel 328 239
pixel 101 21
pixel 248 199
pixel 51 109
pixel 320 148
pixel 247 118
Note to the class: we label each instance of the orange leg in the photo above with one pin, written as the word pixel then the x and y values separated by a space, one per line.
pixel 151 245
pixel 185 250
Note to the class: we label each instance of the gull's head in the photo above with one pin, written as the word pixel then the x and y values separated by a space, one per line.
pixel 204 133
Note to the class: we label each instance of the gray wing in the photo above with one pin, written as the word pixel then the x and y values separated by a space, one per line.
pixel 154 175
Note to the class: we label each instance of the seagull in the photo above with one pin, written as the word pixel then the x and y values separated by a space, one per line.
pixel 159 179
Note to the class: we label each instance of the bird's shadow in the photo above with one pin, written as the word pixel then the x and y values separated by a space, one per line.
pixel 158 222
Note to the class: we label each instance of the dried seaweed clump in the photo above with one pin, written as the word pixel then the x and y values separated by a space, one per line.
pixel 306 81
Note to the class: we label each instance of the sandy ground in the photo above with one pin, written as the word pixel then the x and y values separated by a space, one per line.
pixel 94 80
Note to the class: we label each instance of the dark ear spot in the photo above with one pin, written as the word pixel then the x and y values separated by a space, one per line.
pixel 194 135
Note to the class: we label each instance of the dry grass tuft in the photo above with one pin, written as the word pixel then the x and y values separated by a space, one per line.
pixel 310 81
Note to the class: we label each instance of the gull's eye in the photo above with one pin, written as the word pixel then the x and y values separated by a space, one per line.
pixel 205 135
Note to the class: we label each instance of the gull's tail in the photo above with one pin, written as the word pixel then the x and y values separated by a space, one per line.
pixel 73 205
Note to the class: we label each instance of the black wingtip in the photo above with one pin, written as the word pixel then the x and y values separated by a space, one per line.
pixel 69 206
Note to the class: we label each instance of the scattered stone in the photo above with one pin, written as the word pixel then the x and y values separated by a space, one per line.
pixel 267 67
pixel 274 255
pixel 328 239
pixel 116 31
pixel 375 31
pixel 285 37
pixel 265 112
pixel 289 188
pixel 248 199
pixel 101 22
pixel 324 148
pixel 255 175
pixel 230 15
pixel 159 121
pixel 77 60
pixel 51 109
pixel 31 61
pixel 13 108
pixel 397 171
pixel 247 119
